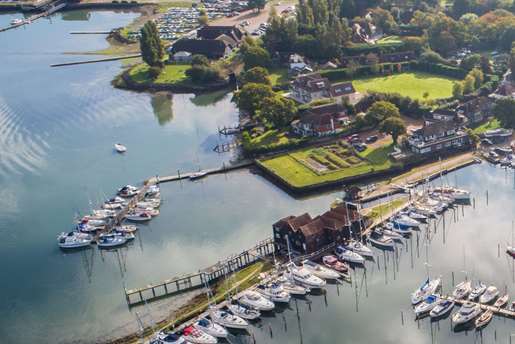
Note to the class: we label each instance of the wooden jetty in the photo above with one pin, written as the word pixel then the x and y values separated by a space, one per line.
pixel 183 283
pixel 496 310
pixel 226 131
pixel 106 59
pixel 51 9
pixel 225 147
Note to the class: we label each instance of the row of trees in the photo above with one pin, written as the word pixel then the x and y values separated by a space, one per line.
pixel 386 117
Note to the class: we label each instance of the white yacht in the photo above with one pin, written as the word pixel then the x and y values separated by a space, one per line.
pixel 442 309
pixel 254 300
pixel 478 290
pixel 138 216
pixel 125 229
pixel 468 312
pixel 349 256
pixel 167 338
pixel 195 336
pixel 489 295
pixel 111 241
pixel 229 320
pixel 427 305
pixel 291 287
pixel 243 311
pixel 304 277
pixel 379 240
pixel 128 191
pixel 73 240
pixel 319 270
pixel 274 292
pixel 510 250
pixel 197 175
pixel 120 148
pixel 209 327
pixel 427 288
pixel 462 290
pixel 359 248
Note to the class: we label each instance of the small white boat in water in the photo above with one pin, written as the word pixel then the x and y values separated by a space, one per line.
pixel 17 21
pixel 462 290
pixel 320 271
pixel 477 291
pixel 489 295
pixel 111 241
pixel 138 217
pixel 125 229
pixel 398 229
pixel 404 221
pixel 304 277
pixel 150 211
pixel 229 320
pixel 254 300
pixel 502 301
pixel 427 305
pixel 294 289
pixel 274 292
pixel 443 308
pixel 153 190
pixel 112 206
pixel 243 311
pixel 427 288
pixel 104 213
pixel 197 175
pixel 211 328
pixel 349 256
pixel 379 240
pixel 510 250
pixel 195 336
pixel 468 312
pixel 128 191
pixel 120 148
pixel 74 240
pixel 359 248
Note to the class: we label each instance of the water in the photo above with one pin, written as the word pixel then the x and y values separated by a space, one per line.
pixel 57 128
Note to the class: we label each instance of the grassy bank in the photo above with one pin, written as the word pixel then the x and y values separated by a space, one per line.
pixel 491 124
pixel 171 74
pixel 382 210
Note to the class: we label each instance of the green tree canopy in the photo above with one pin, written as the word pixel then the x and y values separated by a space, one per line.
pixel 504 111
pixel 250 97
pixel 381 110
pixel 470 62
pixel 393 126
pixel 258 75
pixel 152 50
pixel 278 111
pixel 255 56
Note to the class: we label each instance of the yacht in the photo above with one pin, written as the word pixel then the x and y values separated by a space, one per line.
pixel 462 290
pixel 511 251
pixel 320 271
pixel 167 338
pixel 254 300
pixel 390 234
pixel 304 277
pixel 477 291
pixel 120 148
pixel 229 320
pixel 427 305
pixel 292 288
pixel 104 213
pixel 348 255
pixel 398 229
pixel 274 292
pixel 138 216
pixel 404 221
pixel 502 301
pixel 111 240
pixel 125 229
pixel 484 319
pixel 489 295
pixel 333 263
pixel 359 248
pixel 128 191
pixel 415 215
pixel 112 206
pixel 243 311
pixel 442 309
pixel 469 311
pixel 149 204
pixel 73 240
pixel 381 241
pixel 153 190
pixel 429 287
pixel 150 211
pixel 211 328
pixel 194 336
pixel 454 193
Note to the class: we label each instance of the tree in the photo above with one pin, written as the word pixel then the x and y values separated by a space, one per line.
pixel 278 111
pixel 203 74
pixel 255 56
pixel 512 61
pixel 470 62
pixel 393 126
pixel 258 75
pixel 381 110
pixel 257 4
pixel 425 95
pixel 504 111
pixel 473 137
pixel 250 97
pixel 468 84
pixel 152 50
pixel 478 76
pixel 457 90
pixel 199 60
pixel 486 66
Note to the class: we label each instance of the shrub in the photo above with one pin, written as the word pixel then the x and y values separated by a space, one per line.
pixel 439 68
pixel 154 72
pixel 199 74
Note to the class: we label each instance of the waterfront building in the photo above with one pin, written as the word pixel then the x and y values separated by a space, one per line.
pixel 321 120
pixel 438 136
pixel 306 88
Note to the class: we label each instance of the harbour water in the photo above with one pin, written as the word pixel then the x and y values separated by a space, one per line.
pixel 57 128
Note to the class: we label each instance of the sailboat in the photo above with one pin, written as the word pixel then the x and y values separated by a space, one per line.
pixel 120 148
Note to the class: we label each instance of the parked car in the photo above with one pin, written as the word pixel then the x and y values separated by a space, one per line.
pixel 371 139
pixel 360 147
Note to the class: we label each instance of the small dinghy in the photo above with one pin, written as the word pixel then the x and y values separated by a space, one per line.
pixel 429 287
pixel 477 291
pixel 149 204
pixel 229 320
pixel 511 251
pixel 120 148
pixel 443 308
pixel 462 290
pixel 74 240
pixel 138 216
pixel 484 319
pixel 111 241
pixel 194 336
pixel 211 328
pixel 468 312
pixel 502 301
pixel 320 271
pixel 379 240
pixel 304 277
pixel 243 311
pixel 125 229
pixel 489 295
pixel 349 256
pixel 104 213
pixel 254 300
pixel 167 338
pixel 359 248
pixel 274 292
pixel 427 305
pixel 197 175
pixel 333 263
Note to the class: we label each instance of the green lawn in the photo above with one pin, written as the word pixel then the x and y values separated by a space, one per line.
pixel 170 74
pixel 411 84
pixel 382 209
pixel 293 168
pixel 491 124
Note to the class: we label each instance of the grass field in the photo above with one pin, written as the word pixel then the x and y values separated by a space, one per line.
pixel 491 124
pixel 171 74
pixel 410 84
pixel 313 166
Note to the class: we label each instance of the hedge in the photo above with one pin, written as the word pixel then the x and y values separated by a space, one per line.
pixel 343 73
pixel 441 69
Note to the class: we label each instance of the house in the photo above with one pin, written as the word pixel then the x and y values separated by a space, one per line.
pixel 321 120
pixel 477 109
pixel 437 136
pixel 182 56
pixel 306 88
pixel 303 234
pixel 214 32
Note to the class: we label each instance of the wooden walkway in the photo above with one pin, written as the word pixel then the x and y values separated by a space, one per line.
pixel 106 59
pixel 496 310
pixel 34 17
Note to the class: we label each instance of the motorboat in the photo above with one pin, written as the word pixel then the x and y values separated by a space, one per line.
pixel 120 148
pixel 17 21
pixel 211 328
pixel 111 240
pixel 420 209
pixel 512 307
pixel 468 312
pixel 295 289
pixel 489 295
pixel 427 305
pixel 274 292
pixel 390 234
pixel 415 215
pixel 138 216
pixel 150 211
pixel 74 240
pixel 127 236
pixel 454 193
pixel 502 301
pixel 229 320
pixel 359 248
pixel 348 255
pixel 167 338
pixel 125 229
pixel 303 277
pixel 86 227
pixel 197 175
pixel 255 300
pixel 195 336
pixel 117 199
pixel 243 311
pixel 332 262
pixel 112 206
pixel 462 290
pixel 128 191
pixel 477 291
pixel 398 229
pixel 153 190
pixel 511 251
pixel 379 240
pixel 319 270
pixel 484 319
pixel 427 288
pixel 93 222
pixel 404 221
pixel 104 213
pixel 441 309
pixel 149 204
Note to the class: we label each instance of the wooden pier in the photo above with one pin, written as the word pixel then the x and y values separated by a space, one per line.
pixel 200 279
pixel 496 310
pixel 50 10
pixel 106 59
